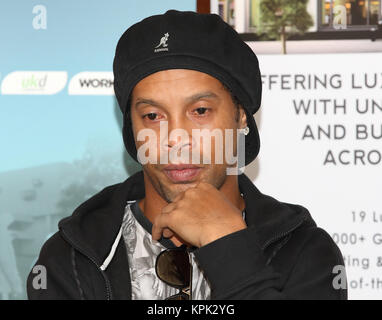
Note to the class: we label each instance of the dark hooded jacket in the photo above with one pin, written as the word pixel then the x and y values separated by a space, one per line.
pixel 281 254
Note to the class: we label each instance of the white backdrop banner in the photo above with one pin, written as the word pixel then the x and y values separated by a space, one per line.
pixel 321 146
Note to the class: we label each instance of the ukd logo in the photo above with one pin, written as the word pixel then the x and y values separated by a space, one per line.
pixel 34 82
pixel 162 46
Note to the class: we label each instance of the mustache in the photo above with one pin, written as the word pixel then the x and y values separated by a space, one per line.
pixel 179 154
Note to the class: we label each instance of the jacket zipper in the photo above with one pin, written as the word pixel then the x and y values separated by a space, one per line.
pixel 107 282
pixel 283 234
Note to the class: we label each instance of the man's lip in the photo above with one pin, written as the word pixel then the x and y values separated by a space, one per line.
pixel 182 173
pixel 181 167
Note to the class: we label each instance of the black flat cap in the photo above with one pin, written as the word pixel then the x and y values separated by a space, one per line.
pixel 188 40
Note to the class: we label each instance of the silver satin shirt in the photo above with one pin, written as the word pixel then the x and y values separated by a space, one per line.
pixel 142 253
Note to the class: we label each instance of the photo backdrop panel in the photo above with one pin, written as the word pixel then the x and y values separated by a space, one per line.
pixel 321 146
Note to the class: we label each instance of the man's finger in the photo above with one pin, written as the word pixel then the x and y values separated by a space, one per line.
pixel 167 233
pixel 161 222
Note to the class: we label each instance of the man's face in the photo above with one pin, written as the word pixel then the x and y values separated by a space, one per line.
pixel 187 100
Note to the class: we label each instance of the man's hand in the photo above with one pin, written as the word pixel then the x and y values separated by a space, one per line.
pixel 199 216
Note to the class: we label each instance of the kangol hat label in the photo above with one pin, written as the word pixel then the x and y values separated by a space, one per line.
pixel 162 46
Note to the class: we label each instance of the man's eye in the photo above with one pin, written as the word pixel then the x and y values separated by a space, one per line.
pixel 151 116
pixel 201 110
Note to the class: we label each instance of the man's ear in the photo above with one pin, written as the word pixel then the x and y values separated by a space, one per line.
pixel 242 118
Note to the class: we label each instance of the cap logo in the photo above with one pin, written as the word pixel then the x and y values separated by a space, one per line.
pixel 162 46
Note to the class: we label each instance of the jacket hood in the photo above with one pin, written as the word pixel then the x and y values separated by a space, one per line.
pixel 95 224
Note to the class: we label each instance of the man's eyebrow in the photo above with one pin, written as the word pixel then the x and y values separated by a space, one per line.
pixel 146 101
pixel 201 95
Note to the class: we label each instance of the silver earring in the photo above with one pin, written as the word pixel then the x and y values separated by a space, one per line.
pixel 245 131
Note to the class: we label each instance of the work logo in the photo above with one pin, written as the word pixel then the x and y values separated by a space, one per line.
pixel 163 45
pixel 92 83
pixel 34 82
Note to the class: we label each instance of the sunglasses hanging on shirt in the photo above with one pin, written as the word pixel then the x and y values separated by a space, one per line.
pixel 173 266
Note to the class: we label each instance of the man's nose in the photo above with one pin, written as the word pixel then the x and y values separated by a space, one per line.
pixel 178 136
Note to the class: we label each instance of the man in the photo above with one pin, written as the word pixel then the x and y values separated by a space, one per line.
pixel 183 72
